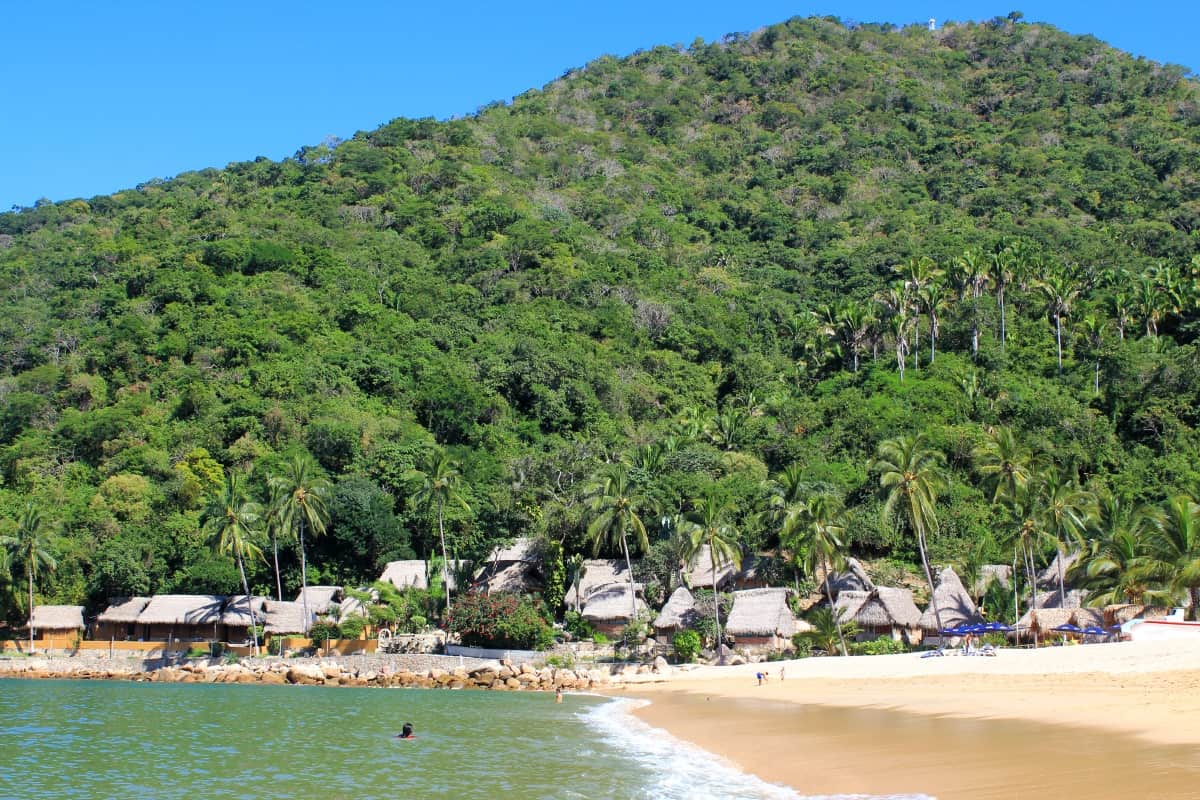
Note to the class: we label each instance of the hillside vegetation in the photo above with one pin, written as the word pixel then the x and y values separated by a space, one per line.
pixel 719 265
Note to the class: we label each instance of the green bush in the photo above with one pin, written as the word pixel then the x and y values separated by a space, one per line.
pixel 577 626
pixel 803 646
pixel 599 638
pixel 321 630
pixel 501 620
pixel 687 645
pixel 352 627
pixel 879 647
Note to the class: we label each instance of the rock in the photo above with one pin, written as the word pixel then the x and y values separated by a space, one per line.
pixel 527 669
pixel 332 672
pixel 662 667
pixel 513 683
pixel 274 678
pixel 506 672
pixel 736 660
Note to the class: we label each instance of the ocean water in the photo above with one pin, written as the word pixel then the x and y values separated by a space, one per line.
pixel 79 739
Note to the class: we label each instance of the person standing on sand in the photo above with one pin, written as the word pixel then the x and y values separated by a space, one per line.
pixel 781 671
pixel 759 675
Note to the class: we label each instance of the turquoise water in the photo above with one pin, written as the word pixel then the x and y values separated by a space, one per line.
pixel 79 739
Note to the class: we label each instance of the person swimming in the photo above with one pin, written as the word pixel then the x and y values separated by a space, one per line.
pixel 406 732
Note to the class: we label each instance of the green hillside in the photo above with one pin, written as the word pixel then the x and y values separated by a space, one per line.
pixel 708 263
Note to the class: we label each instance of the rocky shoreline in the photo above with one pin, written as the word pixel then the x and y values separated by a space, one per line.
pixel 433 672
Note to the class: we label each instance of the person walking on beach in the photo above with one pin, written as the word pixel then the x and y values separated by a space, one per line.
pixel 781 669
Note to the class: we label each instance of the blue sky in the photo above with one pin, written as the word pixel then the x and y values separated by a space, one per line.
pixel 102 96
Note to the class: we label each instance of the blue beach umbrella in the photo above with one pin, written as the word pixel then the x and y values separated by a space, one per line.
pixel 1068 628
pixel 1092 630
pixel 994 627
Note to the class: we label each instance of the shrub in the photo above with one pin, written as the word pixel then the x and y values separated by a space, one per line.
pixel 501 620
pixel 352 627
pixel 321 630
pixel 878 647
pixel 687 645
pixel 565 661
pixel 577 626
pixel 599 638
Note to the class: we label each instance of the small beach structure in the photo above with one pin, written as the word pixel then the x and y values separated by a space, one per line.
pixel 761 618
pixel 236 618
pixel 598 574
pixel 57 622
pixel 1121 613
pixel 885 612
pixel 992 573
pixel 514 568
pixel 415 573
pixel 118 622
pixel 169 617
pixel 678 613
pixel 699 573
pixel 609 609
pixel 853 578
pixel 284 617
pixel 320 599
pixel 954 605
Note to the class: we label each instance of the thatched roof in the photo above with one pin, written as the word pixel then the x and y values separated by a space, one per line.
pixel 597 574
pixel 1048 578
pixel 182 609
pixel 285 617
pixel 352 607
pixel 1120 614
pixel 699 574
pixel 853 578
pixel 523 549
pixel 992 573
pixel 761 612
pixel 235 611
pixel 123 610
pixel 1053 599
pixel 415 573
pixel 954 604
pixel 611 604
pixel 321 599
pixel 1045 619
pixel 57 618
pixel 888 607
pixel 848 602
pixel 515 576
pixel 679 612
pixel 1088 617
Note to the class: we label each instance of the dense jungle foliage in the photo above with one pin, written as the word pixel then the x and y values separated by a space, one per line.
pixel 720 265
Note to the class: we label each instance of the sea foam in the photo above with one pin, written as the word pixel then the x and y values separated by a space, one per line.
pixel 683 771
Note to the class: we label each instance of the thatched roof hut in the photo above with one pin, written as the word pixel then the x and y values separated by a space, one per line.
pixel 755 572
pixel 181 616
pixel 415 573
pixel 954 604
pixel 992 573
pixel 524 549
pixel 700 575
pixel 48 619
pixel 848 602
pixel 608 608
pixel 888 609
pixel 321 599
pixel 1043 621
pixel 761 616
pixel 235 614
pixel 1120 614
pixel 518 577
pixel 678 613
pixel 1048 578
pixel 853 578
pixel 284 617
pixel 123 610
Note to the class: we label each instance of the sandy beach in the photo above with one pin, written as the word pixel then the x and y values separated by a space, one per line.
pixel 1109 720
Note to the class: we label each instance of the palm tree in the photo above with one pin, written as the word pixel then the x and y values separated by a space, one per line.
pixel 613 501
pixel 827 630
pixel 1175 548
pixel 437 485
pixel 27 547
pixel 917 274
pixel 970 276
pixel 933 297
pixel 813 531
pixel 712 527
pixel 233 520
pixel 273 521
pixel 1094 327
pixel 303 509
pixel 1059 290
pixel 1149 304
pixel 1113 566
pixel 910 476
pixel 1006 263
pixel 854 321
pixel 576 570
pixel 1003 463
pixel 1121 306
pixel 1065 511
pixel 898 326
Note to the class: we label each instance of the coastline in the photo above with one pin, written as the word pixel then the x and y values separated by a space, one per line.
pixel 1068 719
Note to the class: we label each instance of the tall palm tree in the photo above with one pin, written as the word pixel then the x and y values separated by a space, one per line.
pixel 933 298
pixel 1113 566
pixel 614 501
pixel 898 326
pixel 1121 306
pixel 917 274
pixel 854 321
pixel 27 547
pixel 303 510
pixel 1006 264
pixel 273 517
pixel 1059 291
pixel 1149 303
pixel 1175 547
pixel 1003 463
pixel 437 485
pixel 910 475
pixel 813 531
pixel 233 521
pixel 1065 511
pixel 970 276
pixel 711 527
pixel 1094 327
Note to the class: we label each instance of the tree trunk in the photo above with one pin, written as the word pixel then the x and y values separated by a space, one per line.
pixel 1194 596
pixel 249 605
pixel 712 556
pixel 1003 330
pixel 1062 587
pixel 1031 574
pixel 29 572
pixel 1097 381
pixel 303 578
pixel 829 593
pixel 1016 599
pixel 937 614
pixel 916 351
pixel 278 581
pixel 1058 340
pixel 974 338
pixel 445 559
pixel 629 566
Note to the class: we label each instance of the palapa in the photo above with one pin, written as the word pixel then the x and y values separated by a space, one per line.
pixel 888 609
pixel 678 613
pixel 954 604
pixel 516 577
pixel 1048 578
pixel 321 599
pixel 405 574
pixel 761 613
pixel 525 549
pixel 237 616
pixel 1088 618
pixel 700 574
pixel 1121 613
pixel 848 602
pixel 182 609
pixel 599 573
pixel 57 618
pixel 285 617
pixel 992 573
pixel 853 578
pixel 123 610
pixel 611 604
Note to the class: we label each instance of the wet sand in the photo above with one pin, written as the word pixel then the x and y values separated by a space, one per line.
pixel 1093 722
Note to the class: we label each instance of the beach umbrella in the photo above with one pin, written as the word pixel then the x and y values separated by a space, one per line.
pixel 1092 630
pixel 958 630
pixel 994 627
pixel 1068 628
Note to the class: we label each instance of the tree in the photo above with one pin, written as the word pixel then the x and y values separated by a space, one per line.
pixel 1003 464
pixel 1114 565
pixel 898 326
pixel 910 477
pixel 1094 327
pixel 233 521
pixel 1175 548
pixel 27 548
pixel 1006 263
pixel 933 297
pixel 613 502
pixel 1059 291
pixel 274 514
pixel 827 630
pixel 711 527
pixel 437 485
pixel 813 531
pixel 853 324
pixel 304 509
pixel 970 276
pixel 1065 510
